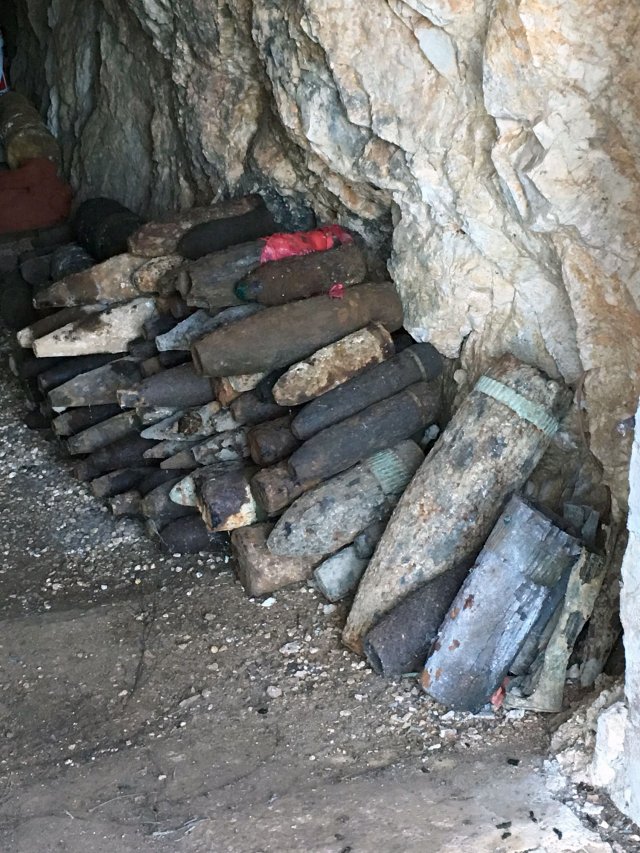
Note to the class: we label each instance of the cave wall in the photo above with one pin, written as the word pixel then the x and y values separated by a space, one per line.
pixel 496 144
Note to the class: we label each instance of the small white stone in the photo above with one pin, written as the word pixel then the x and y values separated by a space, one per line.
pixel 290 648
pixel 516 714
pixel 273 692
pixel 268 602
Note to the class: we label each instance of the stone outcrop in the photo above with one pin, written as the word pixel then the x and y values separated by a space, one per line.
pixel 497 144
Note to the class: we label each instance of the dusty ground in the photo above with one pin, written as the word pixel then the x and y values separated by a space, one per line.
pixel 147 704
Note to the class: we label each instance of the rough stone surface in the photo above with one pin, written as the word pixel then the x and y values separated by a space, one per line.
pixel 498 143
pixel 625 788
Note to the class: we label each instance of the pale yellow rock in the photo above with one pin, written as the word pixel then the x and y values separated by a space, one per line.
pixel 109 282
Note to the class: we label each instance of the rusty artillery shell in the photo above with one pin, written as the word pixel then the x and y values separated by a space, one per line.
pixel 332 514
pixel 177 306
pixel 258 570
pixel 181 335
pixel 275 488
pixel 153 414
pixel 420 362
pixel 101 434
pixel 382 425
pixel 280 336
pixel 198 423
pixel 179 387
pixel 197 324
pixel 98 386
pixel 225 501
pixel 141 349
pixel 219 234
pixel 103 226
pixel 228 388
pixel 157 325
pixel 55 320
pixel 67 259
pixel 189 535
pixel 16 298
pixel 264 388
pixel 162 237
pixel 163 361
pixel 523 559
pixel 157 505
pixel 183 459
pixel 278 282
pixel 209 282
pixel 24 365
pixel 108 331
pixel 36 270
pixel 36 420
pixel 339 575
pixel 366 542
pixel 164 429
pixel 332 365
pixel 272 441
pixel 147 276
pixel 125 504
pixel 401 640
pixel 69 368
pixel 106 283
pixel 118 481
pixel 154 477
pixel 487 451
pixel 249 409
pixel 78 419
pixel 223 447
pixel 185 491
pixel 167 449
pixel 123 453
pixel 206 421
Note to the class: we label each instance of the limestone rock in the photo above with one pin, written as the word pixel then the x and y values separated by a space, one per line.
pixel 496 144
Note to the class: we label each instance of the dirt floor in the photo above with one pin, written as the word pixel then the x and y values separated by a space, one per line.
pixel 147 704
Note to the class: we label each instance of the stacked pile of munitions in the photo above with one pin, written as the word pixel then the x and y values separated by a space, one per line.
pixel 227 382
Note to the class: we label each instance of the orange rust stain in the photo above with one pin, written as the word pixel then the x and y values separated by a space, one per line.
pixel 454 612
pixel 454 645
pixel 468 602
pixel 425 680
pixel 438 673
pixel 437 646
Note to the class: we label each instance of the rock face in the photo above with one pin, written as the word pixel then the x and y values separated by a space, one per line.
pixel 496 143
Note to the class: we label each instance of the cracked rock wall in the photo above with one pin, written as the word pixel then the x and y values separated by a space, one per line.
pixel 495 144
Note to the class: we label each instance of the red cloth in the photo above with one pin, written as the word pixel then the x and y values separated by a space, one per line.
pixel 33 196
pixel 280 246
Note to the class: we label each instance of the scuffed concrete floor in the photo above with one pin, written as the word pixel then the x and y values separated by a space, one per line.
pixel 146 704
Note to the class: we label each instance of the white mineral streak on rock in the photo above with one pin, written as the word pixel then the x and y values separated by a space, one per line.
pixel 500 139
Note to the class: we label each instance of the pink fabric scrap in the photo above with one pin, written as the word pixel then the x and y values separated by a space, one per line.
pixel 279 246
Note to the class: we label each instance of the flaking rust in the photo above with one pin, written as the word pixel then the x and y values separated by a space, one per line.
pixel 332 365
pixel 225 500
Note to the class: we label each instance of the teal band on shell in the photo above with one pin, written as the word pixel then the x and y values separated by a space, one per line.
pixel 532 412
pixel 391 472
